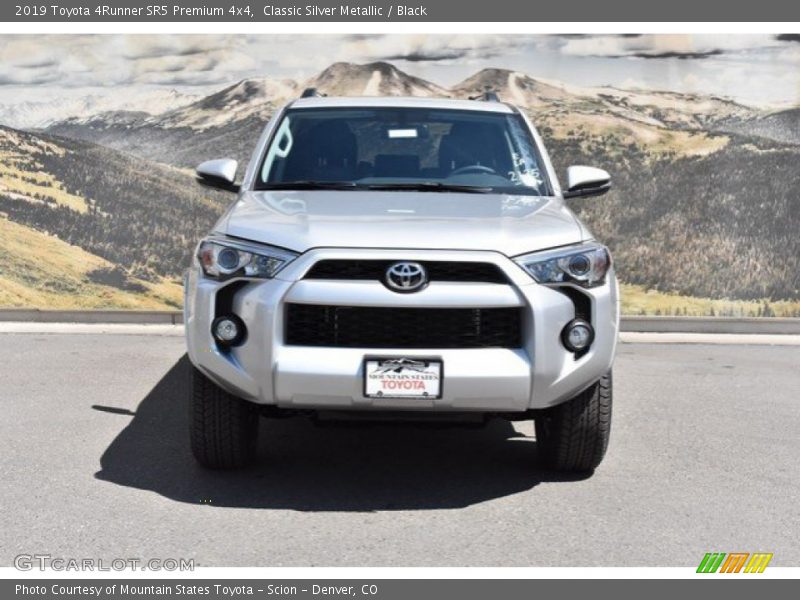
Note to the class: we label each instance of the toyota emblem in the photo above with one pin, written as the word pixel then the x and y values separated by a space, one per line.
pixel 406 277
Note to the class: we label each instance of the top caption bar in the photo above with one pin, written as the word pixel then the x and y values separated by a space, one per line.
pixel 465 11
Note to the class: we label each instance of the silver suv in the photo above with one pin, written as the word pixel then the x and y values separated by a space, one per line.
pixel 401 257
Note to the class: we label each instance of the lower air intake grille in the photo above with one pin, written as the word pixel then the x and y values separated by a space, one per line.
pixel 381 327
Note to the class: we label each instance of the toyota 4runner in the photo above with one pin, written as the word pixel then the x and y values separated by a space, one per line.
pixel 401 257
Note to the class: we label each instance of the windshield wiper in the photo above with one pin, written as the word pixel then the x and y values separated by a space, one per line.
pixel 431 186
pixel 307 184
pixel 420 186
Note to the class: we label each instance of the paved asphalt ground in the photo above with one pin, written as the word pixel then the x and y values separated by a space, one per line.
pixel 94 460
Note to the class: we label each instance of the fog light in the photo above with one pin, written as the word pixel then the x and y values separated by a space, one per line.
pixel 578 335
pixel 228 330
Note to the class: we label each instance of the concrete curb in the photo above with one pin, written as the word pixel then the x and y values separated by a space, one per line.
pixel 141 317
pixel 638 324
pixel 742 325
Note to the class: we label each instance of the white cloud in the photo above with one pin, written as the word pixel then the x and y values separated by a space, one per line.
pixel 745 66
pixel 677 45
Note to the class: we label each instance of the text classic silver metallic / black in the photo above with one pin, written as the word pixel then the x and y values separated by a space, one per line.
pixel 401 257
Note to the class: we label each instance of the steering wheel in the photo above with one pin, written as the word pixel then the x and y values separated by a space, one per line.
pixel 473 169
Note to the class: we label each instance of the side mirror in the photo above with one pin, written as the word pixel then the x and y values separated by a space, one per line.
pixel 586 181
pixel 220 173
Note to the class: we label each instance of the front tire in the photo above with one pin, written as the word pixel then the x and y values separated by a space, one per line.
pixel 223 428
pixel 573 436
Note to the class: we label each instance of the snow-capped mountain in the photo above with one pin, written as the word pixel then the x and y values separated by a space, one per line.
pixel 675 109
pixel 39 114
pixel 694 175
pixel 512 86
pixel 657 108
pixel 245 99
pixel 372 79
pixel 228 122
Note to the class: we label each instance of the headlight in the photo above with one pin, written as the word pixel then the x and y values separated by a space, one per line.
pixel 585 265
pixel 222 258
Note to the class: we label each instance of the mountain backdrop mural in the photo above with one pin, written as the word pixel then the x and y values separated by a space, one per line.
pixel 99 208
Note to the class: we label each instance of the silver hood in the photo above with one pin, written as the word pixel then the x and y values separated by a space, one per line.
pixel 300 220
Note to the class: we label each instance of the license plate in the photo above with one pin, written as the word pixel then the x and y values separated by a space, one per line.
pixel 402 378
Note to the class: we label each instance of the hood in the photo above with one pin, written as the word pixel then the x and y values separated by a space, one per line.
pixel 301 220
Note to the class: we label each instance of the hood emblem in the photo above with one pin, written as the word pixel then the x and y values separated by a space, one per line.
pixel 406 277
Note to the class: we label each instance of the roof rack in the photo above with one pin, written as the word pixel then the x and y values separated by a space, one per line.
pixel 311 92
pixel 487 96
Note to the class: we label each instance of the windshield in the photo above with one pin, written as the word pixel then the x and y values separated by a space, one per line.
pixel 403 148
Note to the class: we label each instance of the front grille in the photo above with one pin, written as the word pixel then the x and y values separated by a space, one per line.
pixel 473 272
pixel 381 327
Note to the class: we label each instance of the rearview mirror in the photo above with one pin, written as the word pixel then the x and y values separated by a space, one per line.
pixel 586 181
pixel 220 173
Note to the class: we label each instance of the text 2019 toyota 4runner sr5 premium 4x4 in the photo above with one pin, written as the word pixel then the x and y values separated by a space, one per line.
pixel 401 254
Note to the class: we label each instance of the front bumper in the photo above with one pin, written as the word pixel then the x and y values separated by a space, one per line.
pixel 539 374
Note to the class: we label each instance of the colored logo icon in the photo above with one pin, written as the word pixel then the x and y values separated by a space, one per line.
pixel 734 562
